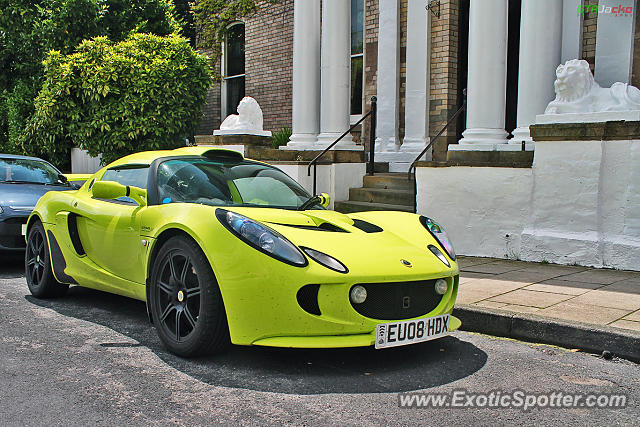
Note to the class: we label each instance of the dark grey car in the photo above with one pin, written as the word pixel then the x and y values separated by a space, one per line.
pixel 23 180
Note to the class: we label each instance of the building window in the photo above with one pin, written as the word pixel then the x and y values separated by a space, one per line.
pixel 234 68
pixel 357 55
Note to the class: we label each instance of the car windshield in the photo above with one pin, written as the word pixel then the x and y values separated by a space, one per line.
pixel 28 171
pixel 228 183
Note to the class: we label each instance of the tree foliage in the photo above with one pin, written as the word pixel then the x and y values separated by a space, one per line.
pixel 116 98
pixel 31 28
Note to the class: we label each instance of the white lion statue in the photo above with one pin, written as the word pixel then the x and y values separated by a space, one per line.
pixel 249 117
pixel 578 92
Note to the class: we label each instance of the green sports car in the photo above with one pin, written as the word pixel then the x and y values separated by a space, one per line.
pixel 229 250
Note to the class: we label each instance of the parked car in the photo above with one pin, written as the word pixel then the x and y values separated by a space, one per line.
pixel 23 180
pixel 229 250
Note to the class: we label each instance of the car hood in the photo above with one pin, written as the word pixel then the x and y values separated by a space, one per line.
pixel 402 238
pixel 25 195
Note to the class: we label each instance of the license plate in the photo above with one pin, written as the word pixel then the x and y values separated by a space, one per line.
pixel 411 331
pixel 24 229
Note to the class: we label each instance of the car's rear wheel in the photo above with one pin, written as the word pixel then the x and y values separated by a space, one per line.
pixel 37 265
pixel 185 300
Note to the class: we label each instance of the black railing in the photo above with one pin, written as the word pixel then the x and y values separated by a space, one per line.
pixel 422 153
pixel 373 112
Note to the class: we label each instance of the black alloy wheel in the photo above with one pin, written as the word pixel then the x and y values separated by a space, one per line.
pixel 186 304
pixel 37 266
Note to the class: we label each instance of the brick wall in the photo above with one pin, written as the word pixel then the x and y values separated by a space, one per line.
pixel 589 27
pixel 268 68
pixel 370 60
pixel 269 62
pixel 211 109
pixel 444 75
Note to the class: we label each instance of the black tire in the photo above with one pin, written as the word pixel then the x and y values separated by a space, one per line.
pixel 37 266
pixel 186 304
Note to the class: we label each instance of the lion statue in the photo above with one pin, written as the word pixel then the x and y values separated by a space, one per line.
pixel 249 117
pixel 578 92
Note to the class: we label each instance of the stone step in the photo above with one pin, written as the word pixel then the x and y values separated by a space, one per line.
pixel 350 206
pixel 396 181
pixel 382 195
pixel 382 167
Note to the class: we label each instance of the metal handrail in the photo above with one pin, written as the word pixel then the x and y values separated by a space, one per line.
pixel 373 113
pixel 433 140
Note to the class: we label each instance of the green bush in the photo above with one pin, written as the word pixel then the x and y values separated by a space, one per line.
pixel 31 28
pixel 281 137
pixel 143 93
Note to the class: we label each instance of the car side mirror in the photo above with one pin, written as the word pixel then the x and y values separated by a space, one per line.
pixel 63 179
pixel 325 199
pixel 111 190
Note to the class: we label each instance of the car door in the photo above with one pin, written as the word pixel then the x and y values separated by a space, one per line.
pixel 110 229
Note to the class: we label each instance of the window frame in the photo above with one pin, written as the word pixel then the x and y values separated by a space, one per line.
pixel 353 118
pixel 225 77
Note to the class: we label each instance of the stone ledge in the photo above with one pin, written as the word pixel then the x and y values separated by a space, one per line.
pixel 303 156
pixel 447 164
pixel 498 159
pixel 601 131
pixel 257 140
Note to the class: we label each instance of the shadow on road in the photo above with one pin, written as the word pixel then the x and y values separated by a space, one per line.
pixel 295 371
pixel 11 265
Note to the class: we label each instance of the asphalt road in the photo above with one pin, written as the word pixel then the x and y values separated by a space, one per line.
pixel 93 359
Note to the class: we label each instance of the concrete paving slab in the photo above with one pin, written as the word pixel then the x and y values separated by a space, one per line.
pixel 625 286
pixel 580 312
pixel 466 277
pixel 528 276
pixel 563 287
pixel 488 288
pixel 537 299
pixel 603 277
pixel 492 268
pixel 635 316
pixel 606 298
pixel 520 308
pixel 490 304
pixel 556 268
pixel 626 324
pixel 466 261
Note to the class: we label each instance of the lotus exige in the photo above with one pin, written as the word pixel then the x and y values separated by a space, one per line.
pixel 229 250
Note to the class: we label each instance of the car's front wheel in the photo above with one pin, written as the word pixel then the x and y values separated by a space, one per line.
pixel 185 300
pixel 37 266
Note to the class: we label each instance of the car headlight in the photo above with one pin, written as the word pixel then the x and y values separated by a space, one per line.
pixel 261 238
pixel 439 234
pixel 325 260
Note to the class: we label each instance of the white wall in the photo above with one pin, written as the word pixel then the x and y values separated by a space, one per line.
pixel 334 179
pixel 81 162
pixel 578 204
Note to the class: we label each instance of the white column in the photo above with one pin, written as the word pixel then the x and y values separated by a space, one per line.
pixel 306 74
pixel 335 73
pixel 540 53
pixel 571 30
pixel 487 81
pixel 614 42
pixel 416 127
pixel 388 76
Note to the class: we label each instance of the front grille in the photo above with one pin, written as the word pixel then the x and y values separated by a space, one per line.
pixel 13 242
pixel 398 300
pixel 16 220
pixel 308 299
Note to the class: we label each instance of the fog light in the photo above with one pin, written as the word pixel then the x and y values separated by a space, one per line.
pixel 358 294
pixel 441 286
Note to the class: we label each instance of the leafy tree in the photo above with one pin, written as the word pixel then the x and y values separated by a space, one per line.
pixel 116 98
pixel 31 28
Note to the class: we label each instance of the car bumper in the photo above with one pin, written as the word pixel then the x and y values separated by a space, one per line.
pixel 11 238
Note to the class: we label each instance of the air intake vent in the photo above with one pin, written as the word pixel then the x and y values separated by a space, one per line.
pixel 365 226
pixel 308 299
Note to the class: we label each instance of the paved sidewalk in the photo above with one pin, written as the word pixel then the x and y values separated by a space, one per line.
pixel 589 295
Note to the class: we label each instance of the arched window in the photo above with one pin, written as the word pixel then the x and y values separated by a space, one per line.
pixel 233 68
pixel 357 55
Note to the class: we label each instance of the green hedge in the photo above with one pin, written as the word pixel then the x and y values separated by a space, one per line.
pixel 143 93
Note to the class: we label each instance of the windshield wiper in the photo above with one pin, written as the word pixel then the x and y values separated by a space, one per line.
pixel 315 200
pixel 15 181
